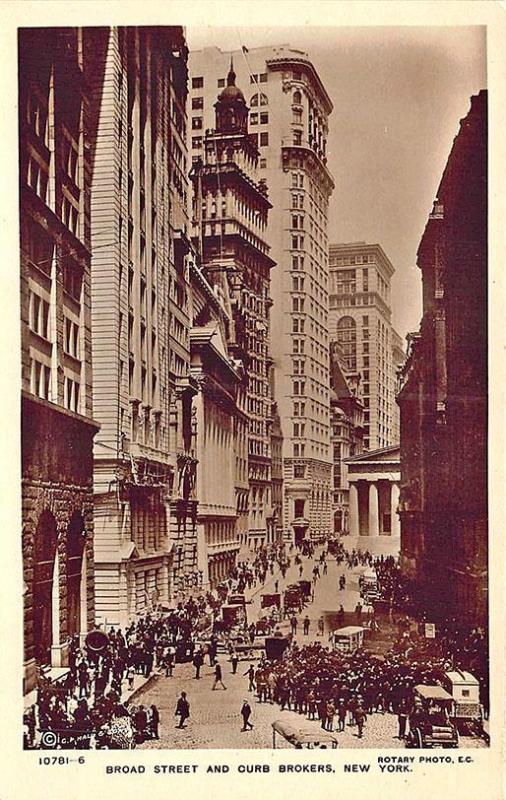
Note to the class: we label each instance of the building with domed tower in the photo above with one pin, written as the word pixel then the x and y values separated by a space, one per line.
pixel 230 220
pixel 288 121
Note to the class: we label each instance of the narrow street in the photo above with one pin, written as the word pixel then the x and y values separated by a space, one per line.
pixel 215 720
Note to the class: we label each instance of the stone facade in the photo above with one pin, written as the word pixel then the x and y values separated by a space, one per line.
pixel 288 117
pixel 230 211
pixel 145 503
pixel 57 424
pixel 360 321
pixel 443 393
pixel 347 415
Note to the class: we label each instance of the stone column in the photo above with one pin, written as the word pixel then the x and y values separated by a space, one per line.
pixel 56 656
pixel 373 510
pixel 354 531
pixel 83 592
pixel 394 502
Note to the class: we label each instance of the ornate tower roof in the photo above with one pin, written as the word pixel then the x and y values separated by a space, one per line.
pixel 231 108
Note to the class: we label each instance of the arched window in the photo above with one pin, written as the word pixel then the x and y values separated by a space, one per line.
pixel 44 554
pixel 255 100
pixel 75 549
pixel 297 97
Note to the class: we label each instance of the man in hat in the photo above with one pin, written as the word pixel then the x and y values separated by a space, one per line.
pixel 182 710
pixel 218 676
pixel 246 714
pixel 341 714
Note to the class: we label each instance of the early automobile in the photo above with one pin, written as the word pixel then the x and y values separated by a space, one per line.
pixel 348 639
pixel 429 721
pixel 465 690
pixel 303 735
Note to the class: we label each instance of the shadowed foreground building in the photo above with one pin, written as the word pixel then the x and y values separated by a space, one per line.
pixel 57 424
pixel 443 397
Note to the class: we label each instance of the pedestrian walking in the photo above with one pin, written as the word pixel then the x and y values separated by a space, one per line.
pixel 321 626
pixel 341 715
pixel 182 710
pixel 198 660
pixel 250 672
pixel 360 718
pixel 154 719
pixel 293 624
pixel 402 718
pixel 169 661
pixel 130 678
pixel 301 571
pixel 306 624
pixel 218 676
pixel 246 714
pixel 276 586
pixel 234 658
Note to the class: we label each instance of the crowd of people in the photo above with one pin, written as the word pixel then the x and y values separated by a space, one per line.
pixel 90 707
pixel 87 708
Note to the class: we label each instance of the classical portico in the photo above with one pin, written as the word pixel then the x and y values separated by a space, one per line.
pixel 374 492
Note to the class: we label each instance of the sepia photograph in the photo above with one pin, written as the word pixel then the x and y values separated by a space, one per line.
pixel 254 387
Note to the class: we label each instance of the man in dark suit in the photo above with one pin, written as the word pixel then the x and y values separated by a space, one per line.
pixel 182 710
pixel 246 714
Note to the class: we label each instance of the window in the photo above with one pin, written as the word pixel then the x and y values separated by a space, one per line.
pixel 264 118
pixel 253 78
pixel 264 139
pixel 297 97
pixel 196 123
pixel 38 319
pixel 71 394
pixel 299 470
pixel 260 99
pixel 40 379
pixel 197 83
pixel 263 163
pixel 196 142
pixel 197 102
pixel 297 115
pixel 297 137
pixel 71 339
pixel 263 77
pixel 221 83
pixel 253 118
pixel 365 320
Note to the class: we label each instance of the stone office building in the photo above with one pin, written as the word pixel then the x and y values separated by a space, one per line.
pixel 145 463
pixel 222 454
pixel 288 121
pixel 230 209
pixel 57 412
pixel 443 394
pixel 360 321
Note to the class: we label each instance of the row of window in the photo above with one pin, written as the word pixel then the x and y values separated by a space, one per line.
pixel 40 385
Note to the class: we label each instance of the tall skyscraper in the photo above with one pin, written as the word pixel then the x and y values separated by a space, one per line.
pixel 145 507
pixel 230 211
pixel 360 321
pixel 288 121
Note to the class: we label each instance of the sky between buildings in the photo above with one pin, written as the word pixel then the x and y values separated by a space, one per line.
pixel 398 94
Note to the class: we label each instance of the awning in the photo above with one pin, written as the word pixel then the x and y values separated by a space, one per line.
pixel 433 692
pixel 303 734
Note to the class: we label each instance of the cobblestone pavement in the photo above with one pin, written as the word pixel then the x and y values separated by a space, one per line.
pixel 215 720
